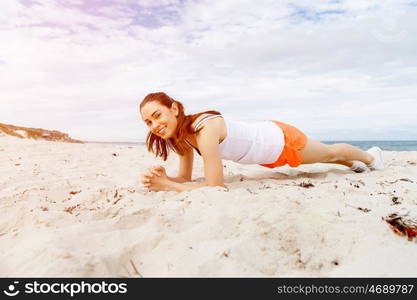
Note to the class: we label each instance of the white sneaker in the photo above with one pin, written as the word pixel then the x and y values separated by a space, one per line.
pixel 359 167
pixel 377 163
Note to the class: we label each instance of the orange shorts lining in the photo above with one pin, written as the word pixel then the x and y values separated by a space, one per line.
pixel 295 140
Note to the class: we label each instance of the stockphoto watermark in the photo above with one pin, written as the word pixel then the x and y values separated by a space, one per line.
pixel 73 288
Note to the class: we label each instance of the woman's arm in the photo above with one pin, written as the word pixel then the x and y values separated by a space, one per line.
pixel 208 144
pixel 178 179
pixel 186 165
pixel 181 187
pixel 185 169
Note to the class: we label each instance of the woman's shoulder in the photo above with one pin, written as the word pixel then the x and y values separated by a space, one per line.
pixel 204 119
pixel 216 123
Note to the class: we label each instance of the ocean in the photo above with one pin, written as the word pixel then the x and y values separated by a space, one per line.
pixel 364 145
pixel 384 145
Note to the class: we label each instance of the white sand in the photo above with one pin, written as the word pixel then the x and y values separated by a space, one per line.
pixel 265 225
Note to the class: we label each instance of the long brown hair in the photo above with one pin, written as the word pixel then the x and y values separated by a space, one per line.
pixel 177 143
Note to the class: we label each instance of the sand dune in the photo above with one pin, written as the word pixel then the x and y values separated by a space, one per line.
pixel 35 133
pixel 78 210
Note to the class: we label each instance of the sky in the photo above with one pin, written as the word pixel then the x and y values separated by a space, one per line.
pixel 338 70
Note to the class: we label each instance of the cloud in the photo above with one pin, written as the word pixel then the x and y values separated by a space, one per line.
pixel 326 66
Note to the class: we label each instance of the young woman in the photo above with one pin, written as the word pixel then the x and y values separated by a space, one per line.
pixel 267 143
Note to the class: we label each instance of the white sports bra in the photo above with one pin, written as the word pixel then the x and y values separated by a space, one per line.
pixel 254 142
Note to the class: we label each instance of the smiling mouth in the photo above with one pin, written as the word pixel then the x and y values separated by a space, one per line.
pixel 162 131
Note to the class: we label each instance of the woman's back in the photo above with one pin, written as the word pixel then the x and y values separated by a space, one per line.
pixel 249 142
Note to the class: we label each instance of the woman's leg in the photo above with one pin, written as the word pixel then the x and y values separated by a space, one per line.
pixel 345 163
pixel 316 152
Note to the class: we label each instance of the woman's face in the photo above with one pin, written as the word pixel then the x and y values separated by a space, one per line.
pixel 160 119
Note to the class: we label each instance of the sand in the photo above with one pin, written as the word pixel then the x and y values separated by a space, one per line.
pixel 79 210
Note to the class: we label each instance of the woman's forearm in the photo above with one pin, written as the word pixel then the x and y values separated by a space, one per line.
pixel 178 179
pixel 182 187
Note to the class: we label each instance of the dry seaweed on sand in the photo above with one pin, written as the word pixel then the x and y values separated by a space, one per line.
pixel 306 185
pixel 402 226
pixel 366 210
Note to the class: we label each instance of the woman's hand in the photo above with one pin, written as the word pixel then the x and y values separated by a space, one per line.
pixel 156 179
